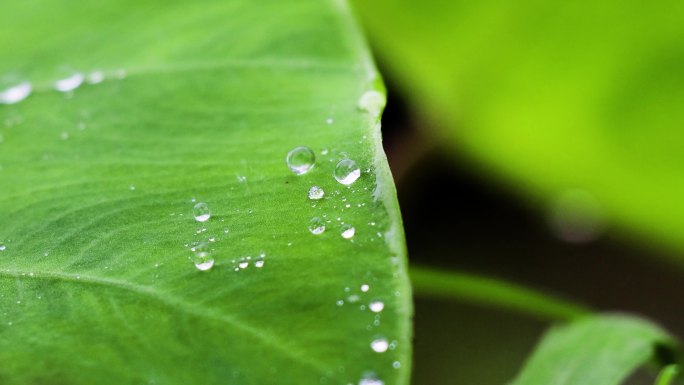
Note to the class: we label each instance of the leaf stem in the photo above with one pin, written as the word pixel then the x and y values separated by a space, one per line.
pixel 491 292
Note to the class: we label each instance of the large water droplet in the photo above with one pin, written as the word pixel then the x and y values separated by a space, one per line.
pixel 347 172
pixel 372 102
pixel 365 288
pixel 201 212
pixel 376 306
pixel 370 379
pixel 300 160
pixel 202 256
pixel 13 90
pixel 70 82
pixel 316 193
pixel 380 345
pixel 348 232
pixel 317 226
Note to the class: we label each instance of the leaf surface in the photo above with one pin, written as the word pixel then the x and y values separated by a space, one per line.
pixel 201 102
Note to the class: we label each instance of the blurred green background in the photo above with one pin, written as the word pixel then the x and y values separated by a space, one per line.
pixel 541 143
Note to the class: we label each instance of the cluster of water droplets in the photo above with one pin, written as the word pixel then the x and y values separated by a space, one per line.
pixel 14 88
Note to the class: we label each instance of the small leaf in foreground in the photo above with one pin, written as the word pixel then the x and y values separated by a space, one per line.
pixel 598 350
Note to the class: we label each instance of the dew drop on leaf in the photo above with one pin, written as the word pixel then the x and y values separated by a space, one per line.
pixel 300 160
pixel 347 172
pixel 316 226
pixel 379 345
pixel 14 90
pixel 201 212
pixel 348 232
pixel 70 82
pixel 376 306
pixel 370 379
pixel 371 102
pixel 202 256
pixel 316 193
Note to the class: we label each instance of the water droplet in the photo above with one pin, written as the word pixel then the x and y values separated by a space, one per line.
pixel 396 364
pixel 212 239
pixel 324 151
pixel 201 212
pixel 353 298
pixel 576 216
pixel 316 193
pixel 347 172
pixel 64 135
pixel 241 178
pixel 329 121
pixel 3 247
pixel 372 102
pixel 376 306
pixel 365 288
pixel 70 82
pixel 13 90
pixel 348 232
pixel 316 226
pixel 202 256
pixel 243 263
pixel 260 261
pixel 379 345
pixel 370 379
pixel 131 187
pixel 96 77
pixel 340 302
pixel 226 231
pixel 300 160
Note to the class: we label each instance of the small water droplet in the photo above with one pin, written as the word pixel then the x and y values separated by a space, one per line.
pixel 347 172
pixel 329 121
pixel 201 212
pixel 131 187
pixel 226 231
pixel 376 306
pixel 379 345
pixel 202 256
pixel 353 298
pixel 372 102
pixel 316 226
pixel 300 160
pixel 316 193
pixel 370 379
pixel 348 232
pixel 260 261
pixel 64 135
pixel 70 82
pixel 3 247
pixel 241 178
pixel 13 90
pixel 96 77
pixel 212 239
pixel 243 263
pixel 396 364
pixel 365 288
pixel 324 151
pixel 340 302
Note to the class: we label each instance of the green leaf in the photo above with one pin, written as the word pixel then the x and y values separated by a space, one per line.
pixel 492 292
pixel 97 189
pixel 553 97
pixel 667 375
pixel 599 350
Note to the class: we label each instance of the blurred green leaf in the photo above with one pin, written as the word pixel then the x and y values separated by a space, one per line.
pixel 97 188
pixel 553 97
pixel 598 350
pixel 667 375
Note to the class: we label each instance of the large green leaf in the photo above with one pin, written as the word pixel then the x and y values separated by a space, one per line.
pixel 97 189
pixel 599 350
pixel 553 97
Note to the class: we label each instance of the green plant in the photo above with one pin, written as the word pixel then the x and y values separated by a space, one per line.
pixel 153 232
